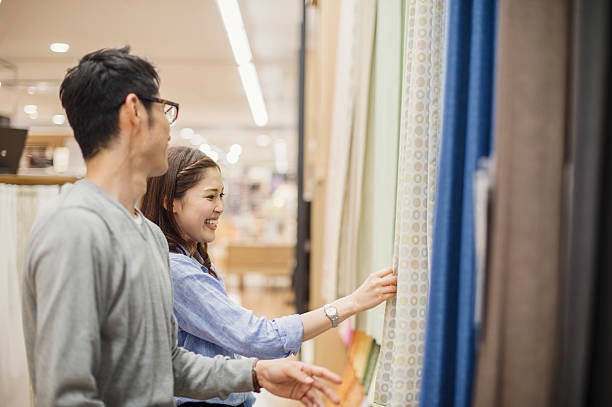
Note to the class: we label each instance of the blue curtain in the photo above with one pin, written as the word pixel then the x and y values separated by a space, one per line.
pixel 448 365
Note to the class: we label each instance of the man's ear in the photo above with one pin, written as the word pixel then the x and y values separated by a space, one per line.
pixel 131 109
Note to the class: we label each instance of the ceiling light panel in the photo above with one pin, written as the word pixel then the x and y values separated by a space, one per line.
pixel 239 42
pixel 59 47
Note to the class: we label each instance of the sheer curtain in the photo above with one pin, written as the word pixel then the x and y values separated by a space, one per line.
pixel 19 206
pixel 347 145
pixel 399 370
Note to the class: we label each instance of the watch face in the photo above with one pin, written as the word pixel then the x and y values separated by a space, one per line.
pixel 332 311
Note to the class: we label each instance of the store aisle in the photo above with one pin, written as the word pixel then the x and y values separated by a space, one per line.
pixel 270 300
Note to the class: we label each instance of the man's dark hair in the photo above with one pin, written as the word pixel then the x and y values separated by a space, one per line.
pixel 93 91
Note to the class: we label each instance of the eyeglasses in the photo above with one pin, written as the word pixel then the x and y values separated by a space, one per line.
pixel 171 109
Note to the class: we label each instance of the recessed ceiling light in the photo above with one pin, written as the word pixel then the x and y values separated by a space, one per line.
pixel 236 149
pixel 58 119
pixel 30 109
pixel 59 47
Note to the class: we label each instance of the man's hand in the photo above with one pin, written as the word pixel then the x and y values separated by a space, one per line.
pixel 297 380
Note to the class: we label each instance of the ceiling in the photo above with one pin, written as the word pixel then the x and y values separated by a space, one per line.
pixel 185 40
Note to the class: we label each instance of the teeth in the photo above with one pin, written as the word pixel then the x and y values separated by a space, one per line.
pixel 212 222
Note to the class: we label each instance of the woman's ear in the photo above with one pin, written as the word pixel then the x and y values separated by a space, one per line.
pixel 168 205
pixel 175 206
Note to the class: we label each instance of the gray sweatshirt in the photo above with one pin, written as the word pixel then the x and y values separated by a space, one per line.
pixel 97 312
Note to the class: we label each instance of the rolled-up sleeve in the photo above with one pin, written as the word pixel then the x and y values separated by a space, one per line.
pixel 203 309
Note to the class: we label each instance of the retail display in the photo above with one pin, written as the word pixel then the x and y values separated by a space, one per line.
pixel 400 365
pixel 19 206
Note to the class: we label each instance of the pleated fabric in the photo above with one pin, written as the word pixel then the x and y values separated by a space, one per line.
pixel 466 137
pixel 400 362
pixel 349 234
pixel 347 144
pixel 19 206
pixel 377 220
pixel 519 351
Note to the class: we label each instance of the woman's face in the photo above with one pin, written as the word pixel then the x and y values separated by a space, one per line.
pixel 197 212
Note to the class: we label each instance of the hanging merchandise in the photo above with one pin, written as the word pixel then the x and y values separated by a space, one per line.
pixel 585 291
pixel 518 350
pixel 347 145
pixel 466 136
pixel 399 370
pixel 19 206
pixel 349 232
pixel 377 220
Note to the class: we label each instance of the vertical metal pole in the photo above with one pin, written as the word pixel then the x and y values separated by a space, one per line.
pixel 301 275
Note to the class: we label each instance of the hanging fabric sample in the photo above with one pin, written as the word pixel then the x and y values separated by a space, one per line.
pixel 355 25
pixel 518 353
pixel 377 220
pixel 466 136
pixel 19 206
pixel 399 370
pixel 349 232
pixel 585 161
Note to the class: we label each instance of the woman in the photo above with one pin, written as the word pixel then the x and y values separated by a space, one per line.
pixel 186 203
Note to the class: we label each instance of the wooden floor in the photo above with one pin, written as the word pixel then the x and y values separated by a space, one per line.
pixel 269 301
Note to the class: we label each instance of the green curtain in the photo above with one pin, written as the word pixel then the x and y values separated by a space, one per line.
pixel 377 220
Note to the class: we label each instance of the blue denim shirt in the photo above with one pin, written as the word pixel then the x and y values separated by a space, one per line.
pixel 211 323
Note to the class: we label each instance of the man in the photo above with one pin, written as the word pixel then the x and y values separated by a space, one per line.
pixel 97 293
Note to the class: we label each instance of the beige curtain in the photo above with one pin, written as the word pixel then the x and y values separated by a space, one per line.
pixel 347 145
pixel 19 206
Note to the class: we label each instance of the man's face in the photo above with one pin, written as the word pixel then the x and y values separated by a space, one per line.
pixel 157 139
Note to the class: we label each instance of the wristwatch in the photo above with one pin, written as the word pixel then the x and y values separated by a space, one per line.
pixel 331 312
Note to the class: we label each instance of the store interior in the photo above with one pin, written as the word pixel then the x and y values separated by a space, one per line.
pixel 463 143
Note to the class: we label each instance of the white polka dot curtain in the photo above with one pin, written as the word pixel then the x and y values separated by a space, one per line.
pixel 398 379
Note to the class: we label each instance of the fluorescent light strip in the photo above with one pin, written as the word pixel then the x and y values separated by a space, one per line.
pixel 232 20
pixel 234 26
pixel 250 83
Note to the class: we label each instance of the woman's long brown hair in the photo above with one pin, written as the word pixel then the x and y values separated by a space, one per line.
pixel 186 167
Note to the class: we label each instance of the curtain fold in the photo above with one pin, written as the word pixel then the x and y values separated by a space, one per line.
pixel 337 167
pixel 19 206
pixel 400 361
pixel 519 349
pixel 466 137
pixel 377 220
pixel 349 235
pixel 355 38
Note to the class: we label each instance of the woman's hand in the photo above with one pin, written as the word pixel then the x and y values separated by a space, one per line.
pixel 378 287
